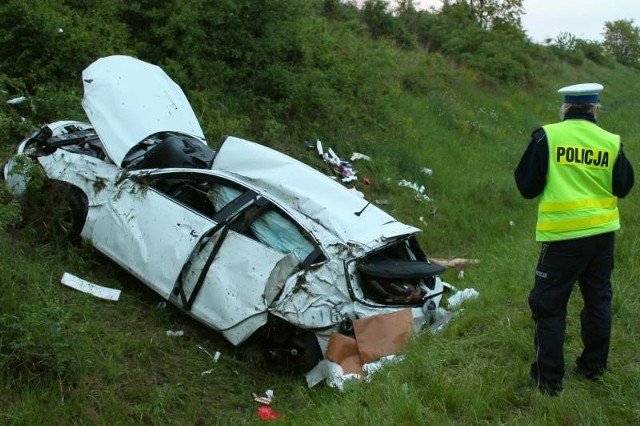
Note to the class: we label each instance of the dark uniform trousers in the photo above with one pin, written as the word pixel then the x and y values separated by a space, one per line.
pixel 589 261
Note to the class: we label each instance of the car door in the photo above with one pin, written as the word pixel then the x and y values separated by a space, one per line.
pixel 148 233
pixel 241 264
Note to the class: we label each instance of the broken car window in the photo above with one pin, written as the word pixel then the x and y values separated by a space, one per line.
pixel 271 227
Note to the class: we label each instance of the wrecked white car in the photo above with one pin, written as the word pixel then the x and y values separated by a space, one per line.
pixel 245 239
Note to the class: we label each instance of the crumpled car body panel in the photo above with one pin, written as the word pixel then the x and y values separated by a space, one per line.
pixel 251 236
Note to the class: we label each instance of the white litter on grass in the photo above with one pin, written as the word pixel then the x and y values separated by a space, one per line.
pixel 441 317
pixel 175 333
pixel 427 171
pixel 461 296
pixel 331 372
pixel 16 101
pixel 374 366
pixel 342 168
pixel 413 185
pixel 215 357
pixel 334 376
pixel 266 399
pixel 357 156
pixel 86 287
pixel 419 189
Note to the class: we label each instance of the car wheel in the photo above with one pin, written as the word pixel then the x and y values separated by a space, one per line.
pixel 69 212
pixel 299 352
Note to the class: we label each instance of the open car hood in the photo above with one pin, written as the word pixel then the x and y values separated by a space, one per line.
pixel 127 100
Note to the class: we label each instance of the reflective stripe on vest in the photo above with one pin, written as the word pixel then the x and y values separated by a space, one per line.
pixel 577 200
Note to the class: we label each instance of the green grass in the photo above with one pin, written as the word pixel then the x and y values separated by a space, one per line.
pixel 69 358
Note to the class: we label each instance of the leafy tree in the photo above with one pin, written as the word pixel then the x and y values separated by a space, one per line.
pixel 594 51
pixel 381 22
pixel 490 12
pixel 50 41
pixel 565 41
pixel 622 41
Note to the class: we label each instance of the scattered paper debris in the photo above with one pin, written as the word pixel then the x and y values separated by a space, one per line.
pixel 461 296
pixel 377 339
pixel 175 333
pixel 215 357
pixel 341 168
pixel 86 287
pixel 419 189
pixel 266 411
pixel 442 317
pixel 427 171
pixel 267 398
pixel 357 156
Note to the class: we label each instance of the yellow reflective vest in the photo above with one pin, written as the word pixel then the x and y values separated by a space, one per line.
pixel 577 200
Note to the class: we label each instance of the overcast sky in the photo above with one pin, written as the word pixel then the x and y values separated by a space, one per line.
pixel 583 18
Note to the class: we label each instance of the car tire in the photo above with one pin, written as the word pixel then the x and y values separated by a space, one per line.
pixel 299 352
pixel 69 212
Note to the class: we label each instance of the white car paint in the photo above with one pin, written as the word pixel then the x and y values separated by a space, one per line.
pixel 127 100
pixel 224 278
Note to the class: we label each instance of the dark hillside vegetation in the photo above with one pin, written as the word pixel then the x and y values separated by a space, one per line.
pixel 454 90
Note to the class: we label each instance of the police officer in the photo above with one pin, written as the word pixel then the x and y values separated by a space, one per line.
pixel 579 170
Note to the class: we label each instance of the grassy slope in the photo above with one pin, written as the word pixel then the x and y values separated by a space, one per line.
pixel 113 363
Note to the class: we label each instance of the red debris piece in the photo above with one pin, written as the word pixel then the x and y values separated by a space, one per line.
pixel 266 412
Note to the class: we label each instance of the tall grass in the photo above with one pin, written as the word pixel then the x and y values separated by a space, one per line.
pixel 71 359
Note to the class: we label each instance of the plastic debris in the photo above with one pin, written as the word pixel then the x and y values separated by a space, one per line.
pixel 267 398
pixel 266 412
pixel 419 189
pixel 16 101
pixel 427 171
pixel 333 375
pixel 366 180
pixel 462 295
pixel 357 156
pixel 512 223
pixel 342 168
pixel 90 288
pixel 215 356
pixel 441 318
pixel 175 333
pixel 383 202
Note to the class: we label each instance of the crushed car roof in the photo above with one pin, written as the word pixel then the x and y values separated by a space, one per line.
pixel 338 209
pixel 127 100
